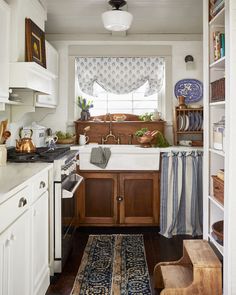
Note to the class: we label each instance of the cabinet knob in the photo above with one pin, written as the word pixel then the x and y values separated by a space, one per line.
pixel 119 199
pixel 42 184
pixel 13 237
pixel 22 202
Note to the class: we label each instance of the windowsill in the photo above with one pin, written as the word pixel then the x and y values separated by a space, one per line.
pixel 120 122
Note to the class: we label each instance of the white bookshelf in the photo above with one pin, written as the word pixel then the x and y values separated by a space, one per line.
pixel 218 64
pixel 224 21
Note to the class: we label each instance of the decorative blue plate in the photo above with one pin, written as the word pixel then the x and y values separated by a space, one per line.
pixel 191 121
pixel 191 89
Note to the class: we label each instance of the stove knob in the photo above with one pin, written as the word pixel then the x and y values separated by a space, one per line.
pixel 65 172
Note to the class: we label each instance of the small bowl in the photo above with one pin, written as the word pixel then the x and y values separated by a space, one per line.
pixel 119 118
pixel 218 230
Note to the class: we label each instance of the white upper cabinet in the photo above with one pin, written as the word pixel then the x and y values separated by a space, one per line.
pixel 4 50
pixel 21 9
pixel 52 61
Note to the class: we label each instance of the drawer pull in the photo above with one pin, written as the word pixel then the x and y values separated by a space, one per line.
pixel 119 199
pixel 13 237
pixel 42 184
pixel 22 202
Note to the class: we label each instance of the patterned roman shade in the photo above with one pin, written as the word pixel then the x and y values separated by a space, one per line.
pixel 120 75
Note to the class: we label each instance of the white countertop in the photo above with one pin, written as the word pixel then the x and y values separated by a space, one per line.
pixel 129 148
pixel 14 176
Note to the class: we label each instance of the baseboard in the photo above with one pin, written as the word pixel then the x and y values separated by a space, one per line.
pixel 43 284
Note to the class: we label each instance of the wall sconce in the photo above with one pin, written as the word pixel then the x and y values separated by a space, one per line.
pixel 190 64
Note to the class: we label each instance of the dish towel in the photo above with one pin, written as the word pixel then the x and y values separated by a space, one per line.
pixel 100 156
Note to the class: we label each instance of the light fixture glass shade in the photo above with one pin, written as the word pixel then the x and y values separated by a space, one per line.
pixel 117 20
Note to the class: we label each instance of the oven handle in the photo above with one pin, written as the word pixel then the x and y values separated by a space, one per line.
pixel 69 194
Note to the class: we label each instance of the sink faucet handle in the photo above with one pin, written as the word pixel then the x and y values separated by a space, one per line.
pixel 130 138
pixel 119 138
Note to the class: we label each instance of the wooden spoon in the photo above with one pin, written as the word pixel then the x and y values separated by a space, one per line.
pixel 6 134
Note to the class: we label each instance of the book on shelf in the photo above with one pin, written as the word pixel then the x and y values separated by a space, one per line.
pixel 219 45
pixel 215 7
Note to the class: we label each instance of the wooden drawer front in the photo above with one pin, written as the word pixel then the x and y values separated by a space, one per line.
pixel 40 184
pixel 14 207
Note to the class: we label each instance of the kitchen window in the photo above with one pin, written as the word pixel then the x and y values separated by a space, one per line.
pixel 122 85
pixel 132 103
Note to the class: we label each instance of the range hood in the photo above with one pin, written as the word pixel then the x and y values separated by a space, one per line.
pixel 31 76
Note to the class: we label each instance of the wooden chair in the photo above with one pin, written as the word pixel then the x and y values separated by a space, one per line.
pixel 197 272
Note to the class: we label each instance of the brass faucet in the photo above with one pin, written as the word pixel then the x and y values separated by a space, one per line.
pixel 110 134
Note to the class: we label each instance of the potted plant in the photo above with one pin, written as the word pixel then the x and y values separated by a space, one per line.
pixel 85 105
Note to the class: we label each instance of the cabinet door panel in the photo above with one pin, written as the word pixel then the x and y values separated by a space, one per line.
pixel 99 201
pixel 4 258
pixel 19 277
pixel 135 192
pixel 39 231
pixel 98 204
pixel 139 198
pixel 4 50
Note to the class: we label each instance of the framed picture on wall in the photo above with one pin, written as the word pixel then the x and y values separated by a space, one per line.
pixel 34 43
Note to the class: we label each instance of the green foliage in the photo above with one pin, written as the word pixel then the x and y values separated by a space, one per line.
pixel 146 117
pixel 140 133
pixel 84 104
pixel 64 135
pixel 161 141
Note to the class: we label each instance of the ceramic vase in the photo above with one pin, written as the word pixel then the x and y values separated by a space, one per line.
pixel 85 115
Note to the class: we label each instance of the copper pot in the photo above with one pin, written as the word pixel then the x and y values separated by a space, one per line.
pixel 25 145
pixel 182 104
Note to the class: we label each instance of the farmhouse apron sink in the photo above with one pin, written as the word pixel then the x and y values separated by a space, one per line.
pixel 123 157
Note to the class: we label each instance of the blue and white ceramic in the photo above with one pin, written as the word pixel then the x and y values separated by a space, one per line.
pixel 191 121
pixel 191 89
pixel 196 121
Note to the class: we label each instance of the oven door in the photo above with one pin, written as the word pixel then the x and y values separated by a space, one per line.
pixel 65 217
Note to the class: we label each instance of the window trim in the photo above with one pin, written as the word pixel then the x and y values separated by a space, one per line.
pixel 132 49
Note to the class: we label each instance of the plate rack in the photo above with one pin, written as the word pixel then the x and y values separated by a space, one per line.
pixel 188 125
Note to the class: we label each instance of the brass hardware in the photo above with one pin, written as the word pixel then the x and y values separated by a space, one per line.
pixel 110 134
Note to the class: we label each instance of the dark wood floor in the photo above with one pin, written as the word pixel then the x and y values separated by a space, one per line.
pixel 157 249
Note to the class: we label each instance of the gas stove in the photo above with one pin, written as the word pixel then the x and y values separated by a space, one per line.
pixel 42 154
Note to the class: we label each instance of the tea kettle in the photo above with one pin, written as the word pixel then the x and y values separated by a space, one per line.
pixel 25 145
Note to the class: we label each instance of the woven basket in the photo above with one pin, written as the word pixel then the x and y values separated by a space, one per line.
pixel 67 140
pixel 218 230
pixel 218 90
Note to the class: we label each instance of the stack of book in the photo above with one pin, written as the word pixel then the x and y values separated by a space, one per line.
pixel 219 45
pixel 215 7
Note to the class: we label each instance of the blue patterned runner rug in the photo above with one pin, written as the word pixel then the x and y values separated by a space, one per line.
pixel 113 265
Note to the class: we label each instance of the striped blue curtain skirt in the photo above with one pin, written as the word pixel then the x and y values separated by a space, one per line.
pixel 181 209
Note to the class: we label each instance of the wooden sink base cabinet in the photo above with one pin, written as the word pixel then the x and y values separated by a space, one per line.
pixel 119 199
pixel 198 272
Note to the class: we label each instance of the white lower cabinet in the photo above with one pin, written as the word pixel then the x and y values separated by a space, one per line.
pixel 24 240
pixel 39 238
pixel 15 258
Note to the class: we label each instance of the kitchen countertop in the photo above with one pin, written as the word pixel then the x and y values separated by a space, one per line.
pixel 161 150
pixel 14 176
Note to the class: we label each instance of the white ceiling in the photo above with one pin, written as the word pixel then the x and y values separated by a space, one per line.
pixel 150 16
